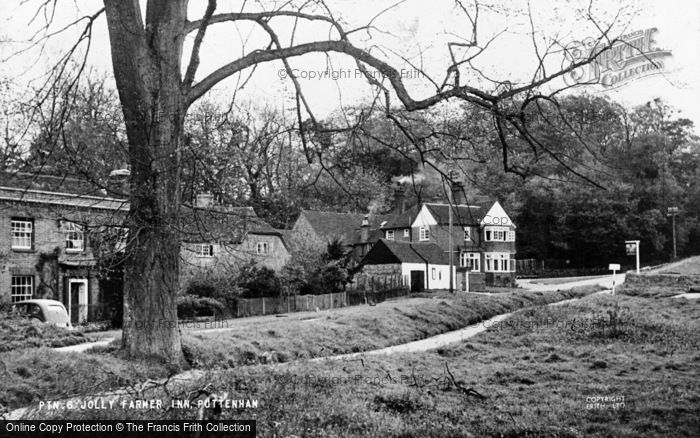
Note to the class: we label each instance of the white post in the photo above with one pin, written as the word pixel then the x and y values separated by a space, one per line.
pixel 637 256
pixel 466 281
pixel 614 267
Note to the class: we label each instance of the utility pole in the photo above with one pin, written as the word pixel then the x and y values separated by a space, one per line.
pixel 673 212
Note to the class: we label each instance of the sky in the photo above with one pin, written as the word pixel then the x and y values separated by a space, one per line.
pixel 413 33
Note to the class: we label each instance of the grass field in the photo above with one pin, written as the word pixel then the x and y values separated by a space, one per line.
pixel 32 374
pixel 543 372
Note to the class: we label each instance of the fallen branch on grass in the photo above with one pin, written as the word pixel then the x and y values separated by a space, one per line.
pixel 458 385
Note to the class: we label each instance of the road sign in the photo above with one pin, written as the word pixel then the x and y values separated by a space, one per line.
pixel 614 267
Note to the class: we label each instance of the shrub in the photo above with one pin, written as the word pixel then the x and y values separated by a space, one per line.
pixel 191 306
pixel 221 287
pixel 259 282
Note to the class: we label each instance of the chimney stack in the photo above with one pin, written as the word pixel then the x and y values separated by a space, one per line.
pixel 458 197
pixel 400 199
pixel 364 229
pixel 118 183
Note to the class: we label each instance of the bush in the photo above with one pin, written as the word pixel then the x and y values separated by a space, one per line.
pixel 259 282
pixel 192 306
pixel 218 286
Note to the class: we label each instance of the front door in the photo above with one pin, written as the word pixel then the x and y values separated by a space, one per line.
pixel 78 300
pixel 417 281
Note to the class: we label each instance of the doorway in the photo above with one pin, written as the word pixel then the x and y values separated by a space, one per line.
pixel 78 300
pixel 417 281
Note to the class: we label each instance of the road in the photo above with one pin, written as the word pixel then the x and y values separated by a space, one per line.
pixel 605 281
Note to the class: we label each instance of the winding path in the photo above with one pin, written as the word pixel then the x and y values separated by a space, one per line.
pixel 410 347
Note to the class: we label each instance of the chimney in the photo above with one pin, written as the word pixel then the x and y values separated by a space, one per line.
pixel 458 197
pixel 204 200
pixel 364 229
pixel 118 183
pixel 399 199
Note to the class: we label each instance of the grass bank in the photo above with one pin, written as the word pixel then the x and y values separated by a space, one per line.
pixel 544 372
pixel 18 333
pixel 356 329
pixel 33 374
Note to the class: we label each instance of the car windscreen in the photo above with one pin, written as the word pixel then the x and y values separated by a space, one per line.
pixel 56 314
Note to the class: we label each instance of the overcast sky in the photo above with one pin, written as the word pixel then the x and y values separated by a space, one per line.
pixel 416 30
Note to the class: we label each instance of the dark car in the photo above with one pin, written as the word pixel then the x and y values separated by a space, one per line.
pixel 48 311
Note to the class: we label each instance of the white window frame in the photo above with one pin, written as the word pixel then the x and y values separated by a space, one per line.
pixel 389 234
pixel 424 233
pixel 204 250
pixel 474 257
pixel 467 234
pixel 406 232
pixel 495 234
pixel 433 273
pixel 22 233
pixel 21 288
pixel 510 236
pixel 75 236
pixel 262 248
pixel 498 262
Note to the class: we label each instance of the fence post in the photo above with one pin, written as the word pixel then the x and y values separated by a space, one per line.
pixel 263 305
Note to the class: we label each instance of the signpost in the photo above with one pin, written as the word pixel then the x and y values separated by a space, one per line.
pixel 614 267
pixel 632 247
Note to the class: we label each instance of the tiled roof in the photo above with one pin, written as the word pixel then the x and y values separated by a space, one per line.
pixel 389 251
pixel 346 226
pixel 402 220
pixel 62 199
pixel 461 214
pixel 229 224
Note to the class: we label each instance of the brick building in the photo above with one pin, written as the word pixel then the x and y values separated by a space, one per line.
pixel 51 241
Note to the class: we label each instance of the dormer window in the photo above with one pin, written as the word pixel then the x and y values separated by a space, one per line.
pixel 467 234
pixel 390 235
pixel 407 233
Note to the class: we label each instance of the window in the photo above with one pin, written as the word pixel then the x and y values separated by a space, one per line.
pixel 424 233
pixel 262 248
pixel 497 234
pixel 22 287
pixel 433 273
pixel 499 262
pixel 470 260
pixel 75 237
pixel 510 237
pixel 390 235
pixel 22 233
pixel 204 250
pixel 467 234
pixel 406 232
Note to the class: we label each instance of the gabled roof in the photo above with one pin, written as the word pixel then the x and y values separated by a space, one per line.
pixel 389 252
pixel 461 214
pixel 331 225
pixel 230 224
pixel 402 220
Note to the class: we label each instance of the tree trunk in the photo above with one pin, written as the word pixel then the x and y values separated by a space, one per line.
pixel 146 62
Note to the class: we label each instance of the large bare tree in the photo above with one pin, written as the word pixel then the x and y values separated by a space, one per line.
pixel 157 83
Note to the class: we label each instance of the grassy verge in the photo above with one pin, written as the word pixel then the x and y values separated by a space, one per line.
pixel 31 375
pixel 539 373
pixel 356 329
pixel 18 333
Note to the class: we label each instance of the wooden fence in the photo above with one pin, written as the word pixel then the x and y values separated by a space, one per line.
pixel 303 303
